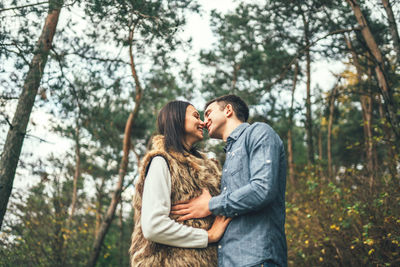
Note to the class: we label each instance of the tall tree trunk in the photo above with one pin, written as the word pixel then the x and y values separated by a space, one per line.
pixel 391 160
pixel 105 225
pixel 99 206
pixel 393 29
pixel 309 127
pixel 366 104
pixel 236 68
pixel 332 99
pixel 376 100
pixel 390 104
pixel 366 107
pixel 77 173
pixel 16 133
pixel 59 232
pixel 121 236
pixel 290 135
pixel 320 150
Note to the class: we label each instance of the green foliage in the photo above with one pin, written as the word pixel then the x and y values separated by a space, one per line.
pixel 40 236
pixel 343 222
pixel 40 233
pixel 346 135
pixel 116 244
pixel 245 59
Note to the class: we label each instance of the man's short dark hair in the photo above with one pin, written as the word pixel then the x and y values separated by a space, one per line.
pixel 239 106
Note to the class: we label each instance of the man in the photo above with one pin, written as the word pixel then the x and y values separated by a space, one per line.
pixel 252 188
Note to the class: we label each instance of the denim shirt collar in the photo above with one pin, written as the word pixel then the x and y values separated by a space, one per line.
pixel 235 135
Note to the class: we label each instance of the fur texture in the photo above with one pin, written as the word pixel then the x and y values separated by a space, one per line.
pixel 189 175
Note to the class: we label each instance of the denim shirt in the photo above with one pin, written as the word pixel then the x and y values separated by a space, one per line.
pixel 252 193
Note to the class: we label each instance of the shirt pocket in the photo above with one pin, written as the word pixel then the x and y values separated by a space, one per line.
pixel 236 160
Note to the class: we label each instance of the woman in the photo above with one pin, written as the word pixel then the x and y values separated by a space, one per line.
pixel 175 171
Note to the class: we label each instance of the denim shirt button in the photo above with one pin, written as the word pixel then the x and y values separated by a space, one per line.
pixel 225 170
pixel 236 214
pixel 219 246
pixel 224 188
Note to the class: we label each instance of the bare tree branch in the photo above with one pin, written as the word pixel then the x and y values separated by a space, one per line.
pixel 6 97
pixel 99 58
pixel 73 89
pixel 9 123
pixel 19 7
pixel 26 134
pixel 40 139
pixel 282 75
pixel 20 53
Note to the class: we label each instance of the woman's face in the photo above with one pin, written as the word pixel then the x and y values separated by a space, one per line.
pixel 193 126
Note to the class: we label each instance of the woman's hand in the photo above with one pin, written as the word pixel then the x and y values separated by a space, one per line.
pixel 217 230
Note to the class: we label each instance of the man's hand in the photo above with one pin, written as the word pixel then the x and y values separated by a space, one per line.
pixel 218 228
pixel 194 208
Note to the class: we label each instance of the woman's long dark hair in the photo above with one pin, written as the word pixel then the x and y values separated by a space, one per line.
pixel 171 124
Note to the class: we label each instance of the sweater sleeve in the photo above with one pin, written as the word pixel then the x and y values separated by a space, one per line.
pixel 157 226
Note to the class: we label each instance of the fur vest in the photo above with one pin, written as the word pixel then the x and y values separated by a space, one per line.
pixel 189 175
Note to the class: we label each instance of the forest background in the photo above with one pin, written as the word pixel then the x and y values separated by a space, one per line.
pixel 93 75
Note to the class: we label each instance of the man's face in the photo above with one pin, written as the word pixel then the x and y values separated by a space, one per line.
pixel 215 120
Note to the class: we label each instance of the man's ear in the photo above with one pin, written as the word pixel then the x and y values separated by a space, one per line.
pixel 228 111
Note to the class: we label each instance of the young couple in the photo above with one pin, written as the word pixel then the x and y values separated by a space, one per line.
pixel 183 204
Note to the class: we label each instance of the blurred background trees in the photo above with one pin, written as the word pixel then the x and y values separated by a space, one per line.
pixel 113 64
